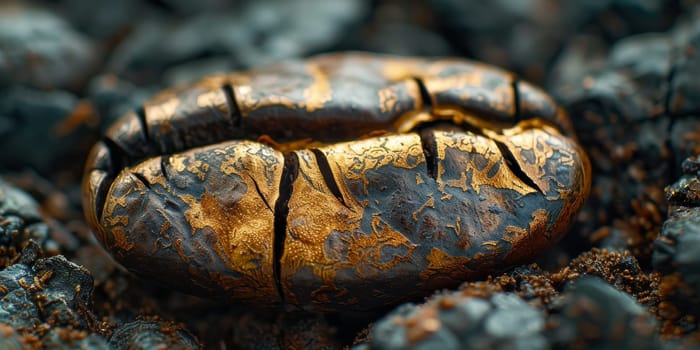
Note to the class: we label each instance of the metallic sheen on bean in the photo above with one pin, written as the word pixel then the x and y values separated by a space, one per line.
pixel 347 181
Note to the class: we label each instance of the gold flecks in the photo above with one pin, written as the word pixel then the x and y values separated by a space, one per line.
pixel 489 244
pixel 315 217
pixel 430 203
pixel 121 241
pixel 114 223
pixel 167 225
pixel 396 69
pixel 194 215
pixel 457 227
pixel 285 147
pixel 177 162
pixel 241 223
pixel 314 213
pixel 387 100
pixel 539 220
pixel 198 168
pixel 254 159
pixel 462 182
pixel 444 267
pixel 461 117
pixel 160 112
pixel 212 98
pixel 419 179
pixel 319 93
pixel 269 100
pixel 400 151
pixel 383 235
pixel 110 219
pixel 471 146
pixel 243 237
pixel 525 243
pixel 184 257
pixel 313 97
pixel 117 220
pixel 437 84
pixel 542 142
pixel 409 121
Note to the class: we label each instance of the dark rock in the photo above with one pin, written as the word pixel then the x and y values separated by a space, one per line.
pixel 17 308
pixel 259 32
pixel 51 290
pixel 113 97
pixel 623 110
pixel 596 315
pixel 196 69
pixel 20 222
pixel 686 191
pixel 55 123
pixel 393 21
pixel 108 21
pixel 189 7
pixel 10 339
pixel 453 321
pixel 526 35
pixel 47 300
pixel 66 291
pixel 677 249
pixel 62 339
pixel 40 49
pixel 142 335
pixel 685 90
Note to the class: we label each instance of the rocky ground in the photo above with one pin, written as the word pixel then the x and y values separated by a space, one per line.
pixel 626 276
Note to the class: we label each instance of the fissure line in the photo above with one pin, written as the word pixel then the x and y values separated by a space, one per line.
pixel 289 175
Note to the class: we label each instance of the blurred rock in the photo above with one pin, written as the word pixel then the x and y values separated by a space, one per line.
pixel 597 316
pixel 48 299
pixel 241 326
pixel 677 250
pixel 144 335
pixel 40 49
pixel 112 97
pixel 10 339
pixel 455 321
pixel 686 191
pixel 401 27
pixel 677 255
pixel 105 20
pixel 190 7
pixel 621 103
pixel 685 90
pixel 257 33
pixel 61 339
pixel 20 222
pixel 56 124
pixel 526 35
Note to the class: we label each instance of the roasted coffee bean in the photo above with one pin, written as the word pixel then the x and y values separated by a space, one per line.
pixel 347 181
